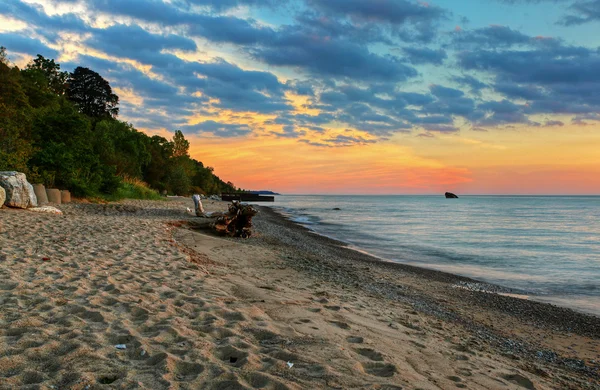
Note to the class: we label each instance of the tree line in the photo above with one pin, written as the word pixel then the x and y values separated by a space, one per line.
pixel 61 129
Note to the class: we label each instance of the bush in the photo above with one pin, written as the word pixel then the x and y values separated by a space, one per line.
pixel 131 188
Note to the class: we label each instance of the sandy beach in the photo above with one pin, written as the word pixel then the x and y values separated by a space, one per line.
pixel 140 295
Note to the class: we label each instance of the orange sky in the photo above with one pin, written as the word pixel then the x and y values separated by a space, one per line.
pixel 527 161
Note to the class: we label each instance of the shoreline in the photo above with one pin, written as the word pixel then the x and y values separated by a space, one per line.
pixel 468 282
pixel 284 309
pixel 452 279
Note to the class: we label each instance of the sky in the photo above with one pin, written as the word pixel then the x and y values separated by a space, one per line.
pixel 346 96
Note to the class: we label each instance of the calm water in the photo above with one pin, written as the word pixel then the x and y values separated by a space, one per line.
pixel 549 247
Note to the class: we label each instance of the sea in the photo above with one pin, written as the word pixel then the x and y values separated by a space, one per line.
pixel 546 248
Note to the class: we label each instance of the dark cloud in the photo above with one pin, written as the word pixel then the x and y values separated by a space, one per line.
pixel 294 47
pixel 445 92
pixel 490 37
pixel 124 40
pixel 418 55
pixel 20 44
pixel 224 5
pixel 555 78
pixel 289 131
pixel 441 128
pixel 346 140
pixel 34 15
pixel 230 29
pixel 226 130
pixel 585 11
pixel 474 84
pixel 516 91
pixel 389 11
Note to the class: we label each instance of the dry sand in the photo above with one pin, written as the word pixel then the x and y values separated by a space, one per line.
pixel 197 311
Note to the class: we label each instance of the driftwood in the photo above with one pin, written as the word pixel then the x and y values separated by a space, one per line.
pixel 237 222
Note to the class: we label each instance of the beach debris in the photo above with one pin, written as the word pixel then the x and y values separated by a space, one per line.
pixel 213 214
pixel 45 259
pixel 143 352
pixel 237 222
pixel 198 205
pixel 450 195
pixel 290 364
pixel 19 192
pixel 46 209
pixel 120 346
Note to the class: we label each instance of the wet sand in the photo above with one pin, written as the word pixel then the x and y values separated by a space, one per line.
pixel 196 311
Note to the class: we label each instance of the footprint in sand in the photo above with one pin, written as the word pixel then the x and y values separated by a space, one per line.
pixel 232 355
pixel 519 380
pixel 340 324
pixel 379 369
pixel 187 371
pixel 354 339
pixel 370 353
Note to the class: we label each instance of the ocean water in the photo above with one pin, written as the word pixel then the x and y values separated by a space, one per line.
pixel 546 247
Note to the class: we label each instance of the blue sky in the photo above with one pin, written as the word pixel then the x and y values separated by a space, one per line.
pixel 475 64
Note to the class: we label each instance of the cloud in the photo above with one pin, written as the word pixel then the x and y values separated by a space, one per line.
pixel 226 130
pixel 316 55
pixel 418 56
pixel 224 5
pixel 231 30
pixel 471 82
pixel 123 41
pixel 24 45
pixel 586 11
pixel 490 37
pixel 47 26
pixel 555 78
pixel 389 11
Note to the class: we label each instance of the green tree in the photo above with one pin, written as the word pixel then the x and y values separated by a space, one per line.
pixel 181 146
pixel 179 181
pixel 156 172
pixel 92 94
pixel 15 119
pixel 120 145
pixel 55 80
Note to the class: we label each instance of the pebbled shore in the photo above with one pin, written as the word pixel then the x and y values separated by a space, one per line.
pixel 197 311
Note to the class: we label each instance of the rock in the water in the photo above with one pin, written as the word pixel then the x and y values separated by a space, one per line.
pixel 336 209
pixel 2 196
pixel 450 195
pixel 40 194
pixel 19 193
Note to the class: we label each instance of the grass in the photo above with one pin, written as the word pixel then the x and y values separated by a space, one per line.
pixel 132 188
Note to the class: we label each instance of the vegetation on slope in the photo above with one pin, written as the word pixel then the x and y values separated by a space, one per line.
pixel 61 129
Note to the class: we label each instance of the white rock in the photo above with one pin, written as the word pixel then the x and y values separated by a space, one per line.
pixel 46 209
pixel 19 193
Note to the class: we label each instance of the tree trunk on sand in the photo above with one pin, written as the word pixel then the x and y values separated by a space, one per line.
pixel 237 222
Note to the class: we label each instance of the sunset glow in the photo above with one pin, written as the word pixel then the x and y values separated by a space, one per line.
pixel 330 97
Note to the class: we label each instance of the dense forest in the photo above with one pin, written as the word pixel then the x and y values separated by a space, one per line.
pixel 61 129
